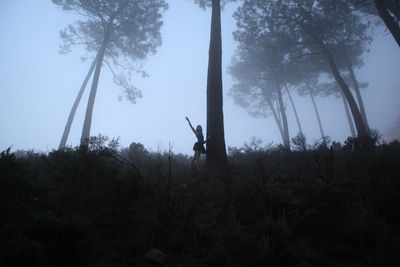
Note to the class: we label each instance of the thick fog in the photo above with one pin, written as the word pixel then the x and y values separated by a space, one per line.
pixel 38 85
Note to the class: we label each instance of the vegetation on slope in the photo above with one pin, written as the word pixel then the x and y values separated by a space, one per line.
pixel 332 205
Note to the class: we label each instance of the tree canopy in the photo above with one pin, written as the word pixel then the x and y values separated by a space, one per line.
pixel 132 29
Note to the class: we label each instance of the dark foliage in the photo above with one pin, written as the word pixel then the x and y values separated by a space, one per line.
pixel 331 206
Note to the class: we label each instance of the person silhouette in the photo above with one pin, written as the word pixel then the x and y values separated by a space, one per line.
pixel 198 147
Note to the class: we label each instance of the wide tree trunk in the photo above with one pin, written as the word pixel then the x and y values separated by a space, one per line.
pixel 294 110
pixel 71 116
pixel 93 90
pixel 348 115
pixel 282 110
pixel 388 20
pixel 356 87
pixel 317 114
pixel 216 150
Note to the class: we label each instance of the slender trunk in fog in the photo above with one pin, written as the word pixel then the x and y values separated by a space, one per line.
pixel 276 117
pixel 349 118
pixel 360 126
pixel 356 87
pixel 294 110
pixel 216 151
pixel 317 113
pixel 89 109
pixel 279 113
pixel 75 107
pixel 285 127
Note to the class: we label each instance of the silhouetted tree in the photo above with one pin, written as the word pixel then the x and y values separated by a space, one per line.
pixel 71 116
pixel 326 89
pixel 348 115
pixel 351 45
pixel 387 10
pixel 216 150
pixel 259 96
pixel 259 71
pixel 356 87
pixel 320 33
pixel 318 24
pixel 266 49
pixel 348 47
pixel 120 30
pixel 294 110
pixel 311 93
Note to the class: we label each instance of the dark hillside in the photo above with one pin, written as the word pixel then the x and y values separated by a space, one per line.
pixel 331 206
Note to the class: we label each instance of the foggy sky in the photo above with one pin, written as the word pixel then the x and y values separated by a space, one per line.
pixel 38 85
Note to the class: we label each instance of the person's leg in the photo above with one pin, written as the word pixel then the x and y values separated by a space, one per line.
pixel 196 159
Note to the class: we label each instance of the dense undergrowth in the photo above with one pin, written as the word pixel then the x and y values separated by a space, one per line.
pixel 333 205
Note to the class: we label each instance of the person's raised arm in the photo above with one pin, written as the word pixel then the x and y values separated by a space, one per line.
pixel 194 131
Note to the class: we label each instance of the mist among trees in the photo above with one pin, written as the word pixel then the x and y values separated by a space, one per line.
pixel 300 202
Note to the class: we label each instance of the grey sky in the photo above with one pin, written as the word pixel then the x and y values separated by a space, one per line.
pixel 38 85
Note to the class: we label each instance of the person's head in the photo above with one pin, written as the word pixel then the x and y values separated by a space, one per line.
pixel 199 129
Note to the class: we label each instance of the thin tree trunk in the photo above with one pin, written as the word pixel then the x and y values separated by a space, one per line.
pixel 349 118
pixel 279 113
pixel 294 110
pixel 360 126
pixel 89 109
pixel 71 116
pixel 216 150
pixel 285 127
pixel 388 20
pixel 277 119
pixel 356 87
pixel 316 113
pixel 360 101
